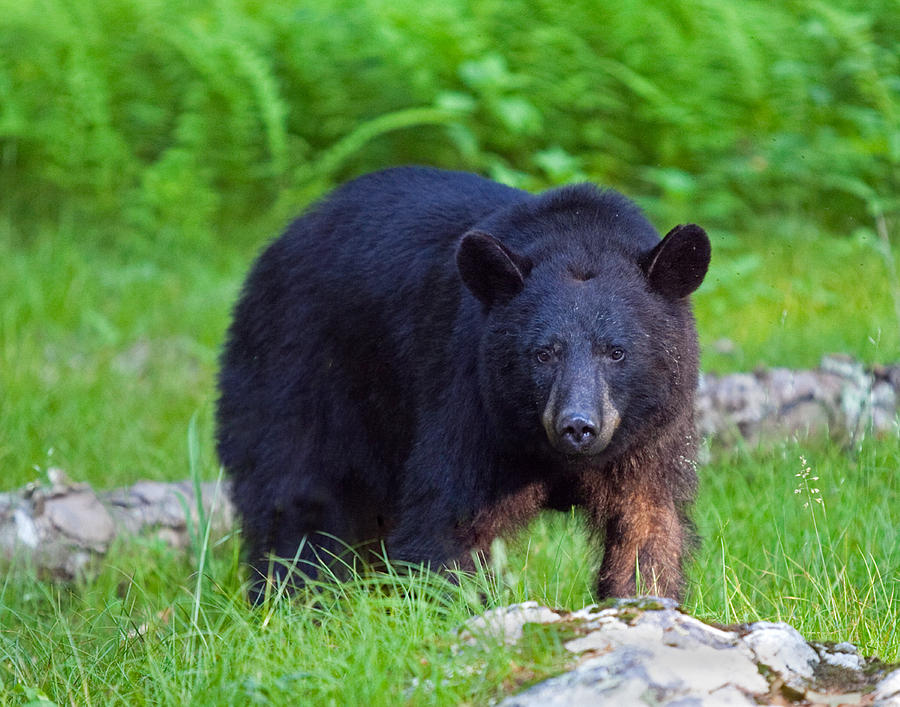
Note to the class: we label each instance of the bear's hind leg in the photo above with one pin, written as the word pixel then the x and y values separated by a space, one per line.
pixel 304 535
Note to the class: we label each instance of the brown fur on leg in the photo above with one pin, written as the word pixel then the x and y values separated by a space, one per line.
pixel 646 538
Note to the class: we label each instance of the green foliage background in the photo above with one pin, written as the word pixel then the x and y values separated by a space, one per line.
pixel 172 118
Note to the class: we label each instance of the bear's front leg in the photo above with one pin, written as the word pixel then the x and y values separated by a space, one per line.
pixel 644 550
pixel 433 508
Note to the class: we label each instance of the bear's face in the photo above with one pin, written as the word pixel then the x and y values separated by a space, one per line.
pixel 576 361
pixel 571 362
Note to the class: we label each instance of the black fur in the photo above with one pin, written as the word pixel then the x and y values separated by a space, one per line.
pixel 429 358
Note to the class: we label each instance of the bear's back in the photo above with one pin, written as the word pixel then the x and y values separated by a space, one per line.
pixel 413 212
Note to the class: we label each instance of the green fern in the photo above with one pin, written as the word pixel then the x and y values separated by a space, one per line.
pixel 127 113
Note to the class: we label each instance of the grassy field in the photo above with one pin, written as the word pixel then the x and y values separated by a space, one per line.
pixel 149 148
pixel 108 354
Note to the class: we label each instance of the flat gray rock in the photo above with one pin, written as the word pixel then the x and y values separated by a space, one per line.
pixel 81 517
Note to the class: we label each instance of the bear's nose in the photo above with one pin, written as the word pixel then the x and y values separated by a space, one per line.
pixel 577 432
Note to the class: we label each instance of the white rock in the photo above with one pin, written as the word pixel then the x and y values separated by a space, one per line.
pixel 591 613
pixel 843 660
pixel 81 516
pixel 507 623
pixel 781 647
pixel 703 670
pixel 638 653
pixel 726 697
pixel 26 530
pixel 636 675
pixel 888 690
pixel 845 647
pixel 598 641
pixel 689 627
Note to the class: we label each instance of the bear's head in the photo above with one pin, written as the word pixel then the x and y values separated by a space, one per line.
pixel 582 356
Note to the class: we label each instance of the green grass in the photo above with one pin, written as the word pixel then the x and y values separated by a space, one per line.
pixel 106 354
pixel 805 534
pixel 786 294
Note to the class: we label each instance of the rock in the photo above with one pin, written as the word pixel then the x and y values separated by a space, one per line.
pixel 26 531
pixel 169 506
pixel 660 654
pixel 506 623
pixel 631 676
pixel 887 692
pixel 62 526
pixel 81 517
pixel 646 651
pixel 842 655
pixel 841 398
pixel 781 648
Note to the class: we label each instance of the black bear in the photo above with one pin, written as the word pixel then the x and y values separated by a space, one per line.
pixel 428 358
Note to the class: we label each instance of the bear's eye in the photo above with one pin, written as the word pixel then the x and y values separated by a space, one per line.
pixel 617 353
pixel 544 355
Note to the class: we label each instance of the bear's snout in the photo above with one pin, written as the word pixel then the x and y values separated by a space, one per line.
pixel 576 432
pixel 583 433
pixel 580 417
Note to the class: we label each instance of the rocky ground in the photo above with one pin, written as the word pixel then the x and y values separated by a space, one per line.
pixel 646 651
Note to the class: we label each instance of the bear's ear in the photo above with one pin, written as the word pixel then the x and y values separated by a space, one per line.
pixel 491 271
pixel 677 264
